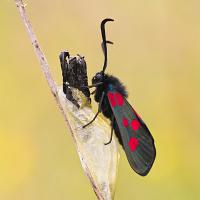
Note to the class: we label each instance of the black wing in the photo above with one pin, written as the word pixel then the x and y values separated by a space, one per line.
pixel 137 140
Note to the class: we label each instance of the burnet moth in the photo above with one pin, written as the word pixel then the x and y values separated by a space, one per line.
pixel 130 129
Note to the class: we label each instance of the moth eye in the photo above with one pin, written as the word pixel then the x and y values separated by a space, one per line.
pixel 98 76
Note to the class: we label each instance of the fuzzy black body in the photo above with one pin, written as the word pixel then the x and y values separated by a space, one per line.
pixel 105 107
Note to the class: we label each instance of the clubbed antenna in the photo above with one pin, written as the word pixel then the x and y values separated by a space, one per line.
pixel 104 41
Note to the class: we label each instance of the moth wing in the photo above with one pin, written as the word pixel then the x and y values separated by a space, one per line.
pixel 137 140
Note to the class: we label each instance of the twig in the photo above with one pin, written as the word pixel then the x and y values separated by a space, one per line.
pixel 40 55
pixel 99 162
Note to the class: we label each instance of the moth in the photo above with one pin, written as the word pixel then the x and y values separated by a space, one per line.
pixel 130 129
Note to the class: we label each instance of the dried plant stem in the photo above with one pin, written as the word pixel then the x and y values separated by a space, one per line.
pixel 98 161
pixel 40 55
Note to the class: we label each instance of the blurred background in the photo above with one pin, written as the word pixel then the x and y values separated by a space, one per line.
pixel 155 53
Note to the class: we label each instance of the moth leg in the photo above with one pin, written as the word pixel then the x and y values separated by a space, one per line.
pixel 94 85
pixel 112 122
pixel 99 110
pixel 91 120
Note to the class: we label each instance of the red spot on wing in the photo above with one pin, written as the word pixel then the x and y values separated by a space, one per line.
pixel 111 98
pixel 125 122
pixel 133 143
pixel 135 125
pixel 119 98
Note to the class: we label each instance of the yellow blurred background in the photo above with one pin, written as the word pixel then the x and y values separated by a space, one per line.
pixel 155 53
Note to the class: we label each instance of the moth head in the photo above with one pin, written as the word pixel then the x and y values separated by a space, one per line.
pixel 99 76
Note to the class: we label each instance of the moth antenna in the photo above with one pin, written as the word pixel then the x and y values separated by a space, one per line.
pixel 104 42
pixel 102 46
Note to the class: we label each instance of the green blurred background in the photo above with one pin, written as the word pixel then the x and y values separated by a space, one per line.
pixel 155 53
